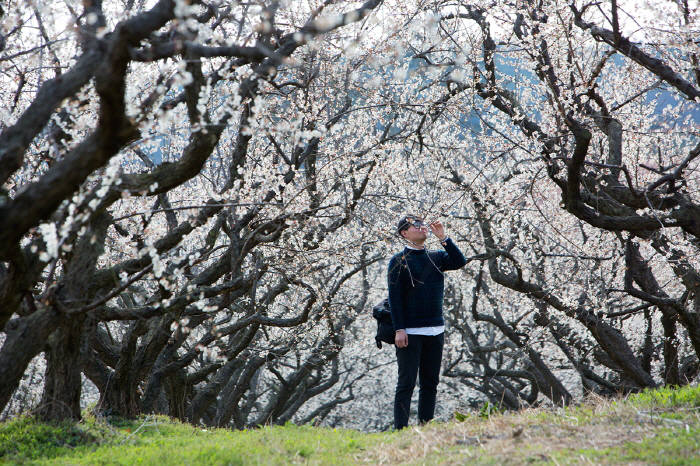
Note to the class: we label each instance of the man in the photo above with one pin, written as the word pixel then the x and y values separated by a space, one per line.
pixel 416 289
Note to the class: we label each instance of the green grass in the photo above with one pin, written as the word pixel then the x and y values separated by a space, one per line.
pixel 652 427
pixel 668 447
pixel 25 438
pixel 160 441
pixel 668 398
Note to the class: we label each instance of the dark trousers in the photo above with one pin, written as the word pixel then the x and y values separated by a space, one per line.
pixel 423 357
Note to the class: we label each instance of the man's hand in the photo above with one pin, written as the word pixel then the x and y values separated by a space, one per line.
pixel 401 339
pixel 438 230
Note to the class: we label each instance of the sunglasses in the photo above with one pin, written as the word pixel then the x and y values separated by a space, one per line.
pixel 413 223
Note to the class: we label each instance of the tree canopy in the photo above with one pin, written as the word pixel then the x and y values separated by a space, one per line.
pixel 198 199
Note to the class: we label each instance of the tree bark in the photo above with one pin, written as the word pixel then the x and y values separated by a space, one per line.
pixel 26 339
pixel 120 395
pixel 62 381
pixel 671 374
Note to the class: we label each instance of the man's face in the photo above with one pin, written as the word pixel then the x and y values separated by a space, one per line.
pixel 416 231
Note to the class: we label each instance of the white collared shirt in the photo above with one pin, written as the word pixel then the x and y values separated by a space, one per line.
pixel 427 331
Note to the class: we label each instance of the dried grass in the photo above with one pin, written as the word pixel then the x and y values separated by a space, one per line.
pixel 532 435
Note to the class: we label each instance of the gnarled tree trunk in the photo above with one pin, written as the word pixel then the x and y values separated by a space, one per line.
pixel 62 382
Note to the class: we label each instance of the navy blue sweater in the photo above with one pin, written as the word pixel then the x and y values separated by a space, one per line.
pixel 417 285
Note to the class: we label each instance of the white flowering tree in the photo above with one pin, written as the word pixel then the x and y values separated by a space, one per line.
pixel 197 196
pixel 171 204
pixel 586 201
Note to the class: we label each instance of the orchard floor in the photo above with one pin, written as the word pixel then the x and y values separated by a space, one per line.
pixel 655 427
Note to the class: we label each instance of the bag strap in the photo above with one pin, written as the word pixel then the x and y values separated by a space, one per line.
pixel 426 270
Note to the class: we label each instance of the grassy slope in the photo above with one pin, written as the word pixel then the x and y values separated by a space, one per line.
pixel 661 427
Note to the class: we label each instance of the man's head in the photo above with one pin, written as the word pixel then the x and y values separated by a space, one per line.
pixel 412 229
